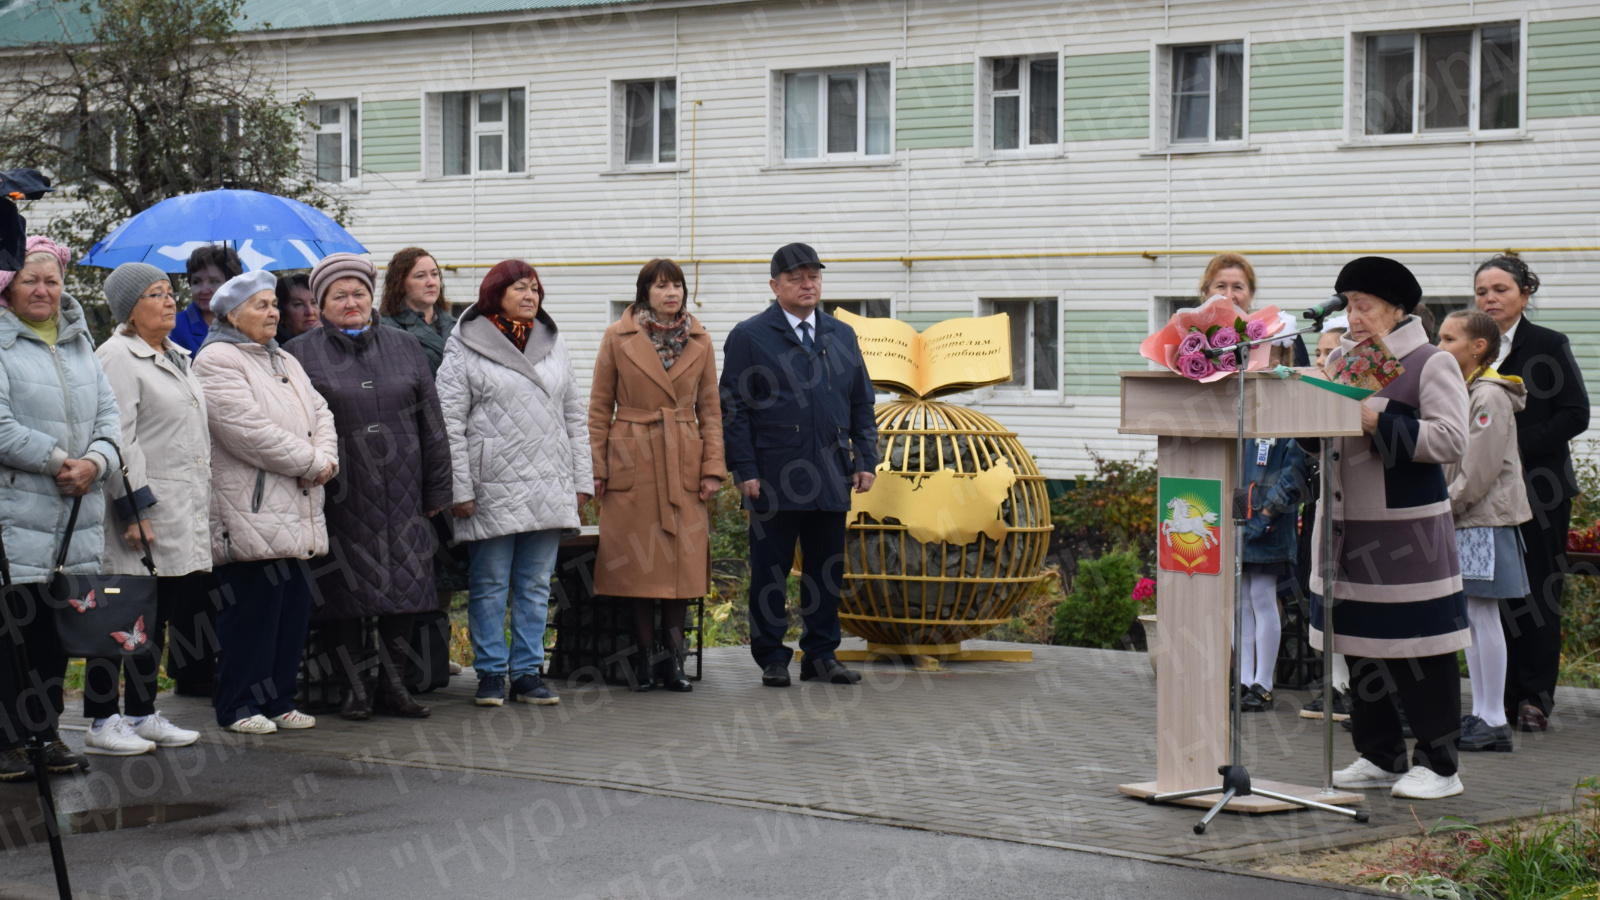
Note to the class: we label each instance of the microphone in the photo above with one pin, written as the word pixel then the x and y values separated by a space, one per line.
pixel 1325 308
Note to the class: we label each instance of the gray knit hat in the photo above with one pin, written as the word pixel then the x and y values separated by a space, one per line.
pixel 335 266
pixel 127 284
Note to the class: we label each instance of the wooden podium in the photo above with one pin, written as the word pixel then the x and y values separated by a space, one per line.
pixel 1198 426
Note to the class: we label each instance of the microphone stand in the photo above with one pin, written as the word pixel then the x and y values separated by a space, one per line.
pixel 1235 778
pixel 35 741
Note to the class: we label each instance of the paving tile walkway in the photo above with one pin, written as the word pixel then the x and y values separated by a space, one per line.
pixel 1030 752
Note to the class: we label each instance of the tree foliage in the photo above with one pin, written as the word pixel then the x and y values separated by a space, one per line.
pixel 158 100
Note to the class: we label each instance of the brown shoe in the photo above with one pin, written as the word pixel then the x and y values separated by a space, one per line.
pixel 1530 718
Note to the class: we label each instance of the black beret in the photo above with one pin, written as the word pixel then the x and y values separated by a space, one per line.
pixel 1384 278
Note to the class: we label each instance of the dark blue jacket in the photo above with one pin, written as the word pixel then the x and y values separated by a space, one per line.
pixel 190 331
pixel 1278 486
pixel 801 423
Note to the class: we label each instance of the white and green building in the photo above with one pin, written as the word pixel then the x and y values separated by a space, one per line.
pixel 1072 164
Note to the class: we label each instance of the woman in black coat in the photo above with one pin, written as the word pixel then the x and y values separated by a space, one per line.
pixel 1557 412
pixel 394 472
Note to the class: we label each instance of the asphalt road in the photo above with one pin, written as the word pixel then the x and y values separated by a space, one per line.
pixel 297 825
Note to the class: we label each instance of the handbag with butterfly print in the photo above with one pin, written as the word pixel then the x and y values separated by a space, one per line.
pixel 104 615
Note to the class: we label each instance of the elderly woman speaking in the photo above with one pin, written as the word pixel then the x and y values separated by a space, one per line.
pixel 272 449
pixel 1399 614
pixel 394 472
pixel 57 413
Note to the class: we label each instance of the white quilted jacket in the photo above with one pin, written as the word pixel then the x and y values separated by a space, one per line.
pixel 269 429
pixel 519 432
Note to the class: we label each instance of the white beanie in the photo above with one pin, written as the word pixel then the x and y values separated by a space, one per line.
pixel 240 288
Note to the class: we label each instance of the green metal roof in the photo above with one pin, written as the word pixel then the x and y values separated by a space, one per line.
pixel 24 22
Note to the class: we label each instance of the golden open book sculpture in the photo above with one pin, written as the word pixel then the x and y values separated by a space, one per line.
pixel 952 537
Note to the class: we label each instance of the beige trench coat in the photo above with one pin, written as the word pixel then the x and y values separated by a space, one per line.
pixel 167 448
pixel 655 434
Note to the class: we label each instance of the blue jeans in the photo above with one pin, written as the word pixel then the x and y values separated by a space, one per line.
pixel 519 565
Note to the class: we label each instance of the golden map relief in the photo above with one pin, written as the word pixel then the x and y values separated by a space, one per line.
pixel 942 506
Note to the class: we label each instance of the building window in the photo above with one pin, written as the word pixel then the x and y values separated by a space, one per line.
pixel 1450 81
pixel 337 140
pixel 89 146
pixel 617 308
pixel 870 309
pixel 649 111
pixel 1035 342
pixel 482 131
pixel 1207 93
pixel 1024 102
pixel 837 114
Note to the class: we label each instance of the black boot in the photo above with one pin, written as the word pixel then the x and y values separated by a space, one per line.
pixel 395 634
pixel 644 676
pixel 675 679
pixel 355 702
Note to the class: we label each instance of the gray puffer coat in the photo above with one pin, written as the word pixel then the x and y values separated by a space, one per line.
pixel 519 429
pixel 55 404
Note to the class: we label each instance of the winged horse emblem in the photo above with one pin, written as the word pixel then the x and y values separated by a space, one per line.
pixel 1181 519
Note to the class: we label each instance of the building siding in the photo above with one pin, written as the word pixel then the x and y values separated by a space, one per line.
pixel 1096 345
pixel 1564 68
pixel 1141 223
pixel 1106 96
pixel 1296 85
pixel 933 107
pixel 391 136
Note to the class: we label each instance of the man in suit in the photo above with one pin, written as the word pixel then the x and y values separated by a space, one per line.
pixel 1557 412
pixel 797 423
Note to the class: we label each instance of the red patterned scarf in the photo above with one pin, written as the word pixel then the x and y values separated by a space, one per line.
pixel 516 332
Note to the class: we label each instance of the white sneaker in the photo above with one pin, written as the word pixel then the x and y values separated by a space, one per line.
pixel 256 724
pixel 295 720
pixel 1363 774
pixel 1423 783
pixel 156 729
pixel 455 667
pixel 115 738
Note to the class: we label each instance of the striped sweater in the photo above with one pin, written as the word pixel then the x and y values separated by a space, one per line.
pixel 1397 592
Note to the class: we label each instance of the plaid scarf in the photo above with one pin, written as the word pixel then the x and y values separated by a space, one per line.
pixel 516 332
pixel 669 338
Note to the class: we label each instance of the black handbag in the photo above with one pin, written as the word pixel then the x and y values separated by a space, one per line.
pixel 104 615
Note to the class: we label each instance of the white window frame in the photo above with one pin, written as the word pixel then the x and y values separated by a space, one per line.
pixel 1162 77
pixel 1355 110
pixel 351 162
pixel 982 305
pixel 615 308
pixel 617 118
pixel 433 132
pixel 983 107
pixel 778 104
pixel 114 156
pixel 864 299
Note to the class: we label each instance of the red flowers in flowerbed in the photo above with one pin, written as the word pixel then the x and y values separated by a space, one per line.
pixel 1585 540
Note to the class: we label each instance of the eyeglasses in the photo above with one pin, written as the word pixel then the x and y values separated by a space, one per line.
pixel 160 295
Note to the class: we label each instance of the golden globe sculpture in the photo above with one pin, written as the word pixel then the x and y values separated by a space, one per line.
pixel 950 539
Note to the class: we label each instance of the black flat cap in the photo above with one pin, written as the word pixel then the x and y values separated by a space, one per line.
pixel 1384 278
pixel 793 256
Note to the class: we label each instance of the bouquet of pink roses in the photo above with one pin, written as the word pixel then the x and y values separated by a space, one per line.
pixel 1215 325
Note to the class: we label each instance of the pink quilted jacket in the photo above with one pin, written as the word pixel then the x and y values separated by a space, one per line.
pixel 269 430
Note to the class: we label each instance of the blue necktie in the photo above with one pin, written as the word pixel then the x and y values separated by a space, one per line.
pixel 805 336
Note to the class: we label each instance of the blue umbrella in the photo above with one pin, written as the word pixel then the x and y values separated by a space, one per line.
pixel 267 232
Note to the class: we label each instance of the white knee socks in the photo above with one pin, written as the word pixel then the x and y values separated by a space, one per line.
pixel 1486 660
pixel 1262 629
